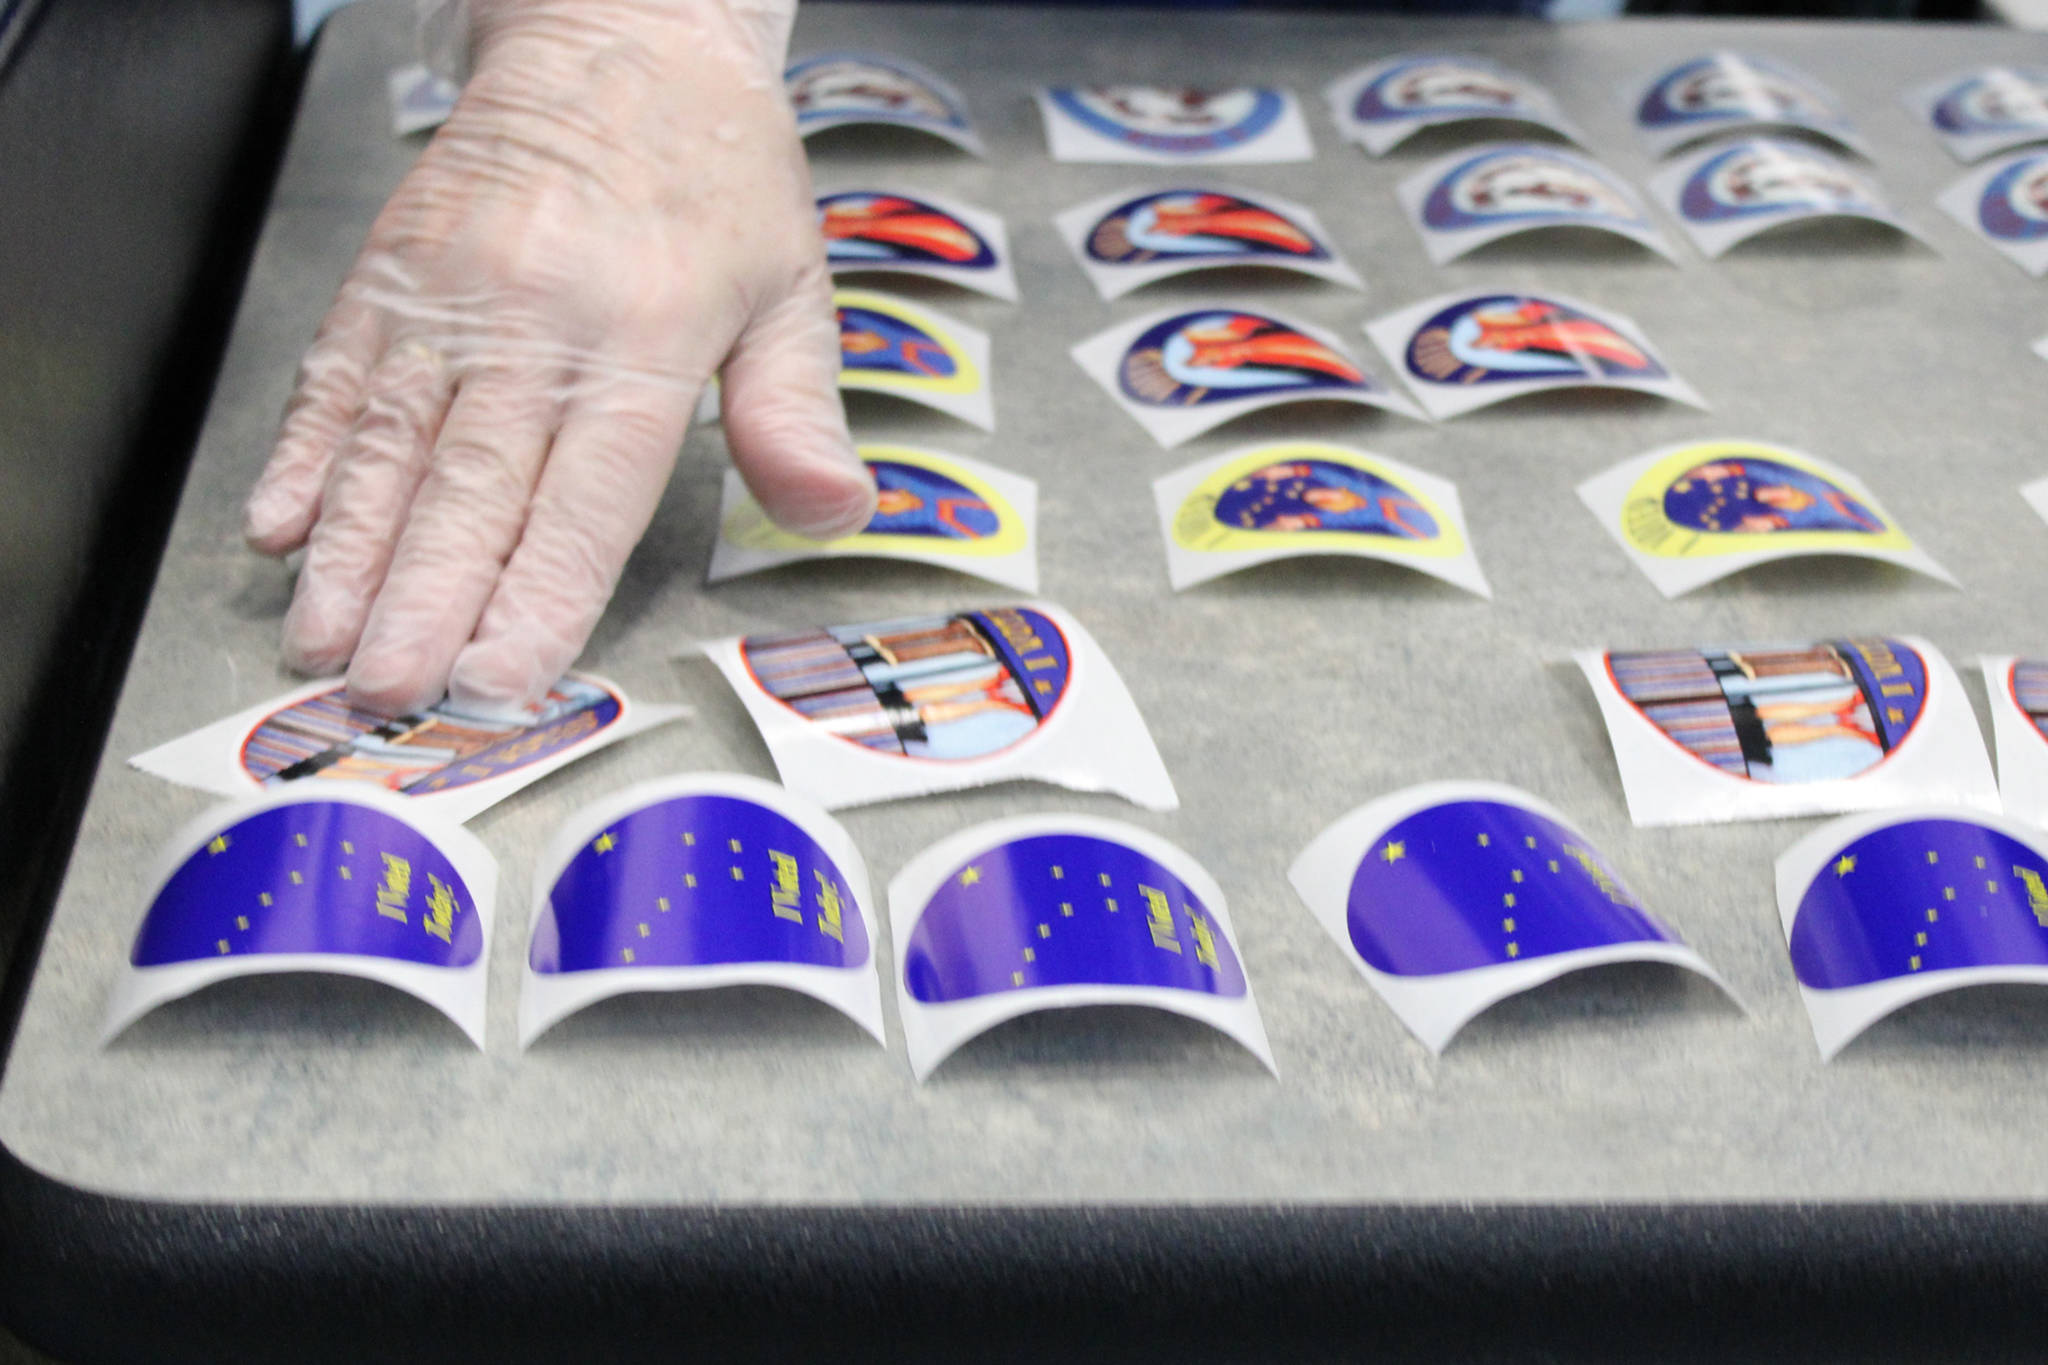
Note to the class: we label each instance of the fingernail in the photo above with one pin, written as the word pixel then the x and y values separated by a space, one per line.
pixel 263 515
pixel 829 516
pixel 388 683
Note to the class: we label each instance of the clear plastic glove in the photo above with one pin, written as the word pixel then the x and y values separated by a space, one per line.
pixel 618 206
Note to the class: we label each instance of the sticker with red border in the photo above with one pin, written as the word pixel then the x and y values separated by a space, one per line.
pixel 2018 689
pixel 445 759
pixel 885 709
pixel 1773 731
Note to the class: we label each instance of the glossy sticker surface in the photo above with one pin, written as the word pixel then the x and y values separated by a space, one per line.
pixel 930 507
pixel 2018 691
pixel 1725 90
pixel 2005 204
pixel 1380 105
pixel 1125 240
pixel 1170 124
pixel 834 89
pixel 1728 194
pixel 890 345
pixel 1992 109
pixel 1464 201
pixel 1291 498
pixel 1693 513
pixel 892 233
pixel 1461 352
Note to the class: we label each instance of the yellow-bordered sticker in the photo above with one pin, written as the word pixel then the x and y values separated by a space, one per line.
pixel 890 345
pixel 1729 497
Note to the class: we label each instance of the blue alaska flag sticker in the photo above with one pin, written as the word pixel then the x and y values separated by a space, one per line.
pixel 705 880
pixel 1050 912
pixel 1450 897
pixel 326 878
pixel 1882 910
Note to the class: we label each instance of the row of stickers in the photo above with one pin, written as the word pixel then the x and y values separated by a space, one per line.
pixel 1722 196
pixel 1181 372
pixel 1974 113
pixel 1686 514
pixel 1446 898
pixel 881 710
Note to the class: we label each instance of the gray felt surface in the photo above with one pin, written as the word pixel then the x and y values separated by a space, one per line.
pixel 1280 698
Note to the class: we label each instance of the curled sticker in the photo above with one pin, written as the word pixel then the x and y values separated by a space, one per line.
pixel 887 232
pixel 1692 513
pixel 1183 371
pixel 1730 91
pixel 332 878
pixel 1991 109
pixel 1452 896
pixel 1052 912
pixel 1383 104
pixel 444 759
pixel 696 882
pixel 1461 202
pixel 893 346
pixel 1132 238
pixel 2018 691
pixel 1771 731
pixel 840 89
pixel 1882 910
pixel 2006 205
pixel 1259 503
pixel 1727 194
pixel 930 507
pixel 1173 125
pixel 1459 352
pixel 885 709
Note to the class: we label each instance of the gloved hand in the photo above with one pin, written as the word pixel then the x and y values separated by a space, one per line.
pixel 618 205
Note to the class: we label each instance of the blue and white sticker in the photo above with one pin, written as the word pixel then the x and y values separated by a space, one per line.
pixel 1730 192
pixel 847 89
pixel 1182 371
pixel 1712 733
pixel 1991 109
pixel 1461 202
pixel 1458 352
pixel 324 877
pixel 930 508
pixel 1882 910
pixel 894 232
pixel 693 883
pixel 1133 237
pixel 1724 92
pixel 1052 912
pixel 1381 105
pixel 877 710
pixel 2006 205
pixel 1173 125
pixel 1452 896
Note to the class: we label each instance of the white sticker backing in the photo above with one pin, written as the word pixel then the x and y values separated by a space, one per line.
pixel 1173 126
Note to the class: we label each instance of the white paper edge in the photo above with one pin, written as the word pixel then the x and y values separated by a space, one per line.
pixel 1114 281
pixel 457 992
pixel 1098 357
pixel 1390 333
pixel 1435 1008
pixel 206 758
pixel 1665 785
pixel 1839 1016
pixel 545 999
pixel 2040 348
pixel 2022 754
pixel 2036 493
pixel 1715 240
pixel 1964 147
pixel 931 1033
pixel 1185 567
pixel 1017 570
pixel 1287 140
pixel 1606 494
pixel 1096 740
pixel 1445 245
pixel 1380 138
pixel 1661 142
pixel 998 281
pixel 1959 201
pixel 977 408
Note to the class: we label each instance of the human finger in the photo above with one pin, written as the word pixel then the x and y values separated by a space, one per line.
pixel 327 397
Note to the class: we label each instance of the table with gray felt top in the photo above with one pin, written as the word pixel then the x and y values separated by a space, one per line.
pixel 1626 1127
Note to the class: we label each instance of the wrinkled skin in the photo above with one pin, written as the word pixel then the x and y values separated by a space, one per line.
pixel 618 207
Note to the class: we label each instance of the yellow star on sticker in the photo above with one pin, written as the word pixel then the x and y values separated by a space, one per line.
pixel 1395 851
pixel 970 876
pixel 605 842
pixel 1845 865
pixel 219 844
